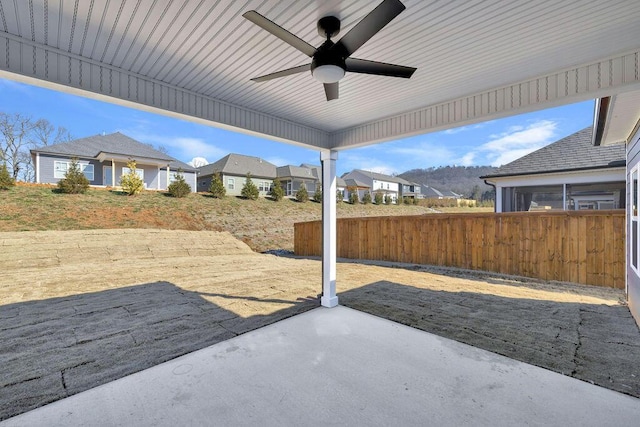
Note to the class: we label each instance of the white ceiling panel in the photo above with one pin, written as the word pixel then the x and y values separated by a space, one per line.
pixel 207 50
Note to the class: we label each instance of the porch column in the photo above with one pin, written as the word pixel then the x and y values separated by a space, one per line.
pixel 499 199
pixel 158 183
pixel 329 252
pixel 168 172
pixel 38 168
pixel 113 173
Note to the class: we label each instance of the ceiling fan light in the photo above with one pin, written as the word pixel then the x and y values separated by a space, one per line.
pixel 328 73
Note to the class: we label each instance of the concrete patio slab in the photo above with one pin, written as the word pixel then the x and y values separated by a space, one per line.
pixel 340 366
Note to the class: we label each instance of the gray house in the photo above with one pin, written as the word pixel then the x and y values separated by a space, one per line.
pixel 293 178
pixel 569 174
pixel 233 169
pixel 103 160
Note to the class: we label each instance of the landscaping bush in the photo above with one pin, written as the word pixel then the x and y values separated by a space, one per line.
pixel 388 199
pixel 74 181
pixel 317 196
pixel 216 188
pixel 378 198
pixel 6 180
pixel 366 198
pixel 353 195
pixel 406 200
pixel 179 187
pixel 131 182
pixel 302 195
pixel 249 189
pixel 276 192
pixel 339 195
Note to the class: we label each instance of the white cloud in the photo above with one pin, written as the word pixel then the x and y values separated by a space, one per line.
pixel 279 161
pixel 197 162
pixel 514 143
pixel 350 161
pixel 423 155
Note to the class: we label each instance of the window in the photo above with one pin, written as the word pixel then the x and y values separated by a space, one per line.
pixel 87 170
pixel 264 186
pixel 60 169
pixel 139 172
pixel 231 183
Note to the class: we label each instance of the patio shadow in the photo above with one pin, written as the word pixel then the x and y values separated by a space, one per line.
pixel 58 347
pixel 595 343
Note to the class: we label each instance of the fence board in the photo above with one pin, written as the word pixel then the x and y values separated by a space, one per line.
pixel 578 246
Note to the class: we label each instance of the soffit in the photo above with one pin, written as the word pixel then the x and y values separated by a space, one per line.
pixel 460 47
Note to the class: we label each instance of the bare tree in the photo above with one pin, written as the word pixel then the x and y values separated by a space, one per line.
pixel 15 130
pixel 43 133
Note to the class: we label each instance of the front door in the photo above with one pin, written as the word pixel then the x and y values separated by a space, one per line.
pixel 106 176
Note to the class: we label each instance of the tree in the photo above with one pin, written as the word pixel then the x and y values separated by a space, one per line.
pixel 339 195
pixel 217 189
pixel 353 195
pixel 74 181
pixel 276 192
pixel 6 180
pixel 317 196
pixel 388 199
pixel 14 138
pixel 476 193
pixel 249 189
pixel 302 195
pixel 366 198
pixel 378 198
pixel 179 187
pixel 131 182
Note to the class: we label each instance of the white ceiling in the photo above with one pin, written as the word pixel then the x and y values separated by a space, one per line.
pixel 470 55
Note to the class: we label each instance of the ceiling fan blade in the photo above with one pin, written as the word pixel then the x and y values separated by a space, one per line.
pixel 280 32
pixel 331 90
pixel 283 73
pixel 368 26
pixel 363 66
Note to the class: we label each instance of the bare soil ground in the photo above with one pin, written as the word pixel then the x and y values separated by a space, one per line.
pixel 79 308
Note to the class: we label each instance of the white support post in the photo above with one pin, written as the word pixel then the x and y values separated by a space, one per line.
pixel 564 197
pixel 113 173
pixel 499 207
pixel 158 182
pixel 329 228
pixel 168 173
pixel 38 168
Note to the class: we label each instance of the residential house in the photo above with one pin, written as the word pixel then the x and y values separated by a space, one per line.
pixel 373 182
pixel 293 178
pixel 353 184
pixel 430 193
pixel 569 174
pixel 103 160
pixel 411 190
pixel 233 170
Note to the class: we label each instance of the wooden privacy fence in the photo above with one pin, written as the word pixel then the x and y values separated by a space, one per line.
pixel 585 247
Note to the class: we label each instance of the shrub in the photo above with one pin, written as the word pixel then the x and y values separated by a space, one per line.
pixel 388 199
pixel 406 200
pixel 276 192
pixel 378 198
pixel 216 188
pixel 302 195
pixel 339 195
pixel 179 187
pixel 249 189
pixel 353 195
pixel 6 180
pixel 74 181
pixel 366 198
pixel 317 196
pixel 131 182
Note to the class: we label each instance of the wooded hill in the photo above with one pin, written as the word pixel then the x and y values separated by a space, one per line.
pixel 459 179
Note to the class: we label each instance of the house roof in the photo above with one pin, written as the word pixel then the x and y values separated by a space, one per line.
pixel 296 172
pixel 240 165
pixel 114 144
pixel 378 176
pixel 430 191
pixel 351 182
pixel 572 153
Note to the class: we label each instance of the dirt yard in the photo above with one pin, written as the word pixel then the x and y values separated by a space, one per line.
pixel 81 308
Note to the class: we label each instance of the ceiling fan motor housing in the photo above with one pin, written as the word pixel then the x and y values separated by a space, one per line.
pixel 329 26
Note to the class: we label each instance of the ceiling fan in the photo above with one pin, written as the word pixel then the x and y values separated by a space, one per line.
pixel 330 61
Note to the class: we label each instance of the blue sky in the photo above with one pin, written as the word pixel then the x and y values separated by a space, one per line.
pixel 491 143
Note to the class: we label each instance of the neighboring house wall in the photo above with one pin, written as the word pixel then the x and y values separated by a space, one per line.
pixel 633 225
pixel 234 184
pixel 48 173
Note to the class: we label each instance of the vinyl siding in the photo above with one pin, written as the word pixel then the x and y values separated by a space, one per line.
pixel 47 166
pixel 633 281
